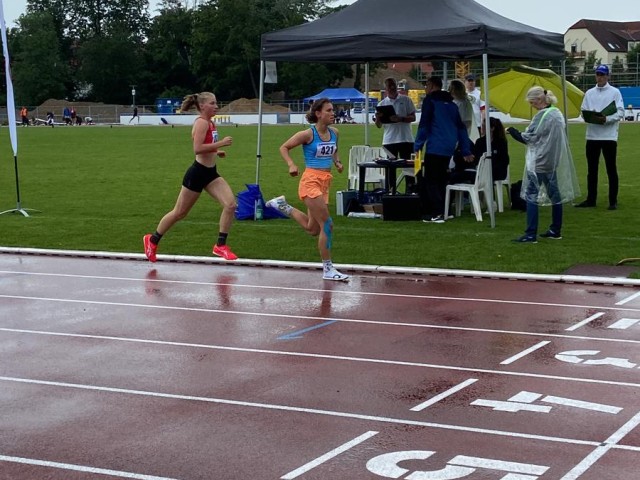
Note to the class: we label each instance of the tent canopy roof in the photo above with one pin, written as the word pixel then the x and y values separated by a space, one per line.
pixel 340 95
pixel 372 30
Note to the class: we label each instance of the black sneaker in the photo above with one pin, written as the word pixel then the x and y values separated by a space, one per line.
pixel 585 204
pixel 526 239
pixel 436 219
pixel 552 235
pixel 613 206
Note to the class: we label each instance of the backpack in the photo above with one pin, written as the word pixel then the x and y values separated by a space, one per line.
pixel 517 202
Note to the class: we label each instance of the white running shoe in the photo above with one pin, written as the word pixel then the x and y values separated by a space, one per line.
pixel 334 274
pixel 280 204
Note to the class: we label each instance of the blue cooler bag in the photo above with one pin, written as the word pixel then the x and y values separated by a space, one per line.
pixel 246 201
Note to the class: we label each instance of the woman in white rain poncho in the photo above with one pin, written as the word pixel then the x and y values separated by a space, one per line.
pixel 549 175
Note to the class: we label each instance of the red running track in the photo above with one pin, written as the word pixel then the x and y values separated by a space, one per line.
pixel 124 369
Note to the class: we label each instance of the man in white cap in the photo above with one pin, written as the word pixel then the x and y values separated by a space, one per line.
pixel 474 96
pixel 602 136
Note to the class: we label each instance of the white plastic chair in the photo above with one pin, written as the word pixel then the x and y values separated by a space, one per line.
pixel 499 184
pixel 481 184
pixel 356 155
pixel 374 175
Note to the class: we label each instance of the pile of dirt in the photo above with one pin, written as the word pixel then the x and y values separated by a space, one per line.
pixel 98 111
pixel 245 105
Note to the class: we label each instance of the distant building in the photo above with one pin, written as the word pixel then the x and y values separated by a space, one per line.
pixel 608 39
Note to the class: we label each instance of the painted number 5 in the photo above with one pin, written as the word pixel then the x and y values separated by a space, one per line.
pixel 461 466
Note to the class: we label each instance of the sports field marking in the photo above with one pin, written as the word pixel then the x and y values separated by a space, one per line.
pixel 341 292
pixel 80 468
pixel 524 353
pixel 629 299
pixel 328 456
pixel 443 395
pixel 329 357
pixel 624 323
pixel 300 333
pixel 585 322
pixel 313 411
pixel 600 451
pixel 307 317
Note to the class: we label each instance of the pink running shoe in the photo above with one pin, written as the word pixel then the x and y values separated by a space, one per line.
pixel 149 248
pixel 225 252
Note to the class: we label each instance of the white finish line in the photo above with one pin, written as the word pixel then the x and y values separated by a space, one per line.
pixel 599 452
pixel 80 468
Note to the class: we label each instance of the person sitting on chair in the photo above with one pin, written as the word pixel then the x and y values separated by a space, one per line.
pixel 466 172
pixel 629 115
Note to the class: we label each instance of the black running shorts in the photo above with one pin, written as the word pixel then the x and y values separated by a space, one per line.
pixel 198 176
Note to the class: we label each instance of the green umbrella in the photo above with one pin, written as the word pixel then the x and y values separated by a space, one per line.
pixel 508 91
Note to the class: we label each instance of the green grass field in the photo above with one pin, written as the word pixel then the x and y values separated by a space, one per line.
pixel 101 188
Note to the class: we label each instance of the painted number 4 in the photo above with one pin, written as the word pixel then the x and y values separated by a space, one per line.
pixel 524 401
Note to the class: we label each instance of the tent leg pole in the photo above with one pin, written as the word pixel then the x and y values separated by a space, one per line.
pixel 564 94
pixel 366 107
pixel 485 86
pixel 259 148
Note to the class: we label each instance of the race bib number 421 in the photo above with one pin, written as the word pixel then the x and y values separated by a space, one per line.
pixel 325 150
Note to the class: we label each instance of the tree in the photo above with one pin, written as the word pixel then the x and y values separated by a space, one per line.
pixel 633 62
pixel 39 70
pixel 226 43
pixel 109 65
pixel 167 54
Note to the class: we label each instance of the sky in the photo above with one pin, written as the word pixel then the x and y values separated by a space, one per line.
pixel 552 15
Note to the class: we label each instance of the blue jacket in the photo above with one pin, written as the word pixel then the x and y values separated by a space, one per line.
pixel 441 126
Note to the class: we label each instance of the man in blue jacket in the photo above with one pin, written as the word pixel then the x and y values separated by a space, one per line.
pixel 441 128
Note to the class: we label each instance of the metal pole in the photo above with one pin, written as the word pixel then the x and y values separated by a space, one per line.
pixel 564 95
pixel 366 107
pixel 259 149
pixel 485 86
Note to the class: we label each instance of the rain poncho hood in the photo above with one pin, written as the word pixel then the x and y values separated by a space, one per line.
pixel 548 153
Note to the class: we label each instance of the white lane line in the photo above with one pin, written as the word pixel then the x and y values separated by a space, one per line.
pixel 443 395
pixel 628 299
pixel 376 361
pixel 342 292
pixel 511 360
pixel 612 442
pixel 318 318
pixel 584 322
pixel 313 411
pixel 328 456
pixel 79 468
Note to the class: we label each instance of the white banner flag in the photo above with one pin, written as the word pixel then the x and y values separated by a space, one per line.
pixel 271 75
pixel 11 103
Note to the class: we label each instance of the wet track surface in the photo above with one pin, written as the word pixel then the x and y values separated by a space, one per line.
pixel 125 369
